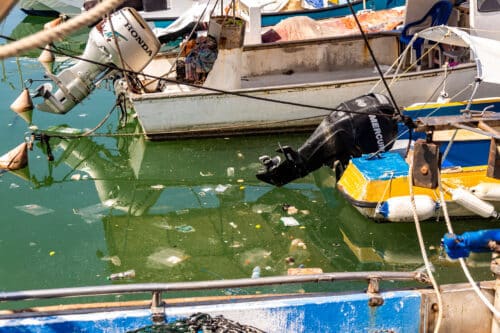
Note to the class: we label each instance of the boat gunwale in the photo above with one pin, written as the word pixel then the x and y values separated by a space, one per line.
pixel 134 97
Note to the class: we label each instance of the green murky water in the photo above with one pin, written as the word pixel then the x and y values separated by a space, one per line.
pixel 182 210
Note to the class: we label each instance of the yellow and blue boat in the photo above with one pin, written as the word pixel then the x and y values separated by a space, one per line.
pixel 379 186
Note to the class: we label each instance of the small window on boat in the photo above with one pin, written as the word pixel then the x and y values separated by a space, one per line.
pixel 488 5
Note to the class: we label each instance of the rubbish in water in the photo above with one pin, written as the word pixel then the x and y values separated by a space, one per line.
pixel 240 180
pixel 292 210
pixel 184 228
pixel 235 245
pixel 230 172
pixel 256 257
pixel 298 243
pixel 115 260
pixel 256 272
pixel 258 226
pixel 289 221
pixel 260 208
pixel 34 209
pixel 240 155
pixel 221 188
pixel 76 176
pixel 234 225
pixel 13 186
pixel 94 213
pixel 52 253
pixel 166 257
pixel 305 212
pixel 290 260
pixel 182 211
pixel 208 174
pixel 158 187
pixel 304 271
pixel 130 274
pixel 242 187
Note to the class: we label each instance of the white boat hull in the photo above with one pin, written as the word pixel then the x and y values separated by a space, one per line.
pixel 210 114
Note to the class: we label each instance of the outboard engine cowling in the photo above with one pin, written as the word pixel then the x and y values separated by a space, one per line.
pixel 137 46
pixel 366 126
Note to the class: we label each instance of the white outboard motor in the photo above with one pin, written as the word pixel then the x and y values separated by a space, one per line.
pixel 137 46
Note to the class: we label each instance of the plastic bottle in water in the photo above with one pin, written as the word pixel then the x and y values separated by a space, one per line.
pixel 130 274
pixel 256 272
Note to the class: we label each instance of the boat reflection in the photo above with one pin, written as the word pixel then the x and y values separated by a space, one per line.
pixel 179 211
pixel 193 210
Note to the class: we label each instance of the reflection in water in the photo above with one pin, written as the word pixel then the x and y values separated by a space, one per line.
pixel 179 211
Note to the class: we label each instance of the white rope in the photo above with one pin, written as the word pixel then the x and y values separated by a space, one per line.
pixel 465 269
pixel 44 37
pixel 423 251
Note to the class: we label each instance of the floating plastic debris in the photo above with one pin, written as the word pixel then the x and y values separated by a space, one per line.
pixel 298 243
pixel 52 253
pixel 258 226
pixel 292 210
pixel 240 180
pixel 182 211
pixel 230 172
pixel 289 221
pixel 235 245
pixel 166 257
pixel 221 188
pixel 130 274
pixel 35 209
pixel 76 176
pixel 94 213
pixel 158 187
pixel 256 257
pixel 234 225
pixel 259 209
pixel 256 272
pixel 304 271
pixel 13 186
pixel 115 260
pixel 185 228
pixel 207 174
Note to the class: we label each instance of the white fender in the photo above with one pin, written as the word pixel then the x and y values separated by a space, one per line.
pixel 469 201
pixel 398 209
pixel 487 191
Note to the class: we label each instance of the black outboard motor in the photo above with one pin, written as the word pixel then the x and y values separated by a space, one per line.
pixel 368 125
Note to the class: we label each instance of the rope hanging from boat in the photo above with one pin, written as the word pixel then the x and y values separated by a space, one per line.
pixel 44 37
pixel 463 265
pixel 422 249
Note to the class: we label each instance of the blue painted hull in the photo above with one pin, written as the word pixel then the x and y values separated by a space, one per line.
pixel 270 19
pixel 327 313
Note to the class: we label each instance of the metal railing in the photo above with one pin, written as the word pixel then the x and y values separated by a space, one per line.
pixel 206 285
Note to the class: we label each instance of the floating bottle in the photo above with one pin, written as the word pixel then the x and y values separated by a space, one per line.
pixel 256 272
pixel 130 274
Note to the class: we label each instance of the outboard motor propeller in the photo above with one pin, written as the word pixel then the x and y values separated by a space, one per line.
pixel 368 128
pixel 137 47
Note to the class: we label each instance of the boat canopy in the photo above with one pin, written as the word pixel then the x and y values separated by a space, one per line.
pixel 485 50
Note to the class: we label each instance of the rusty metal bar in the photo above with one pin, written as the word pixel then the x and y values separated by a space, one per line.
pixel 206 285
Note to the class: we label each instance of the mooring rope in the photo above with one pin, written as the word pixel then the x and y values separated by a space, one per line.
pixel 422 249
pixel 44 37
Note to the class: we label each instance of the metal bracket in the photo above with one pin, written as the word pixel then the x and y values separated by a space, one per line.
pixel 157 309
pixel 373 291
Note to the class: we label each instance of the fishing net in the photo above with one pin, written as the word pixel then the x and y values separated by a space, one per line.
pixel 200 322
